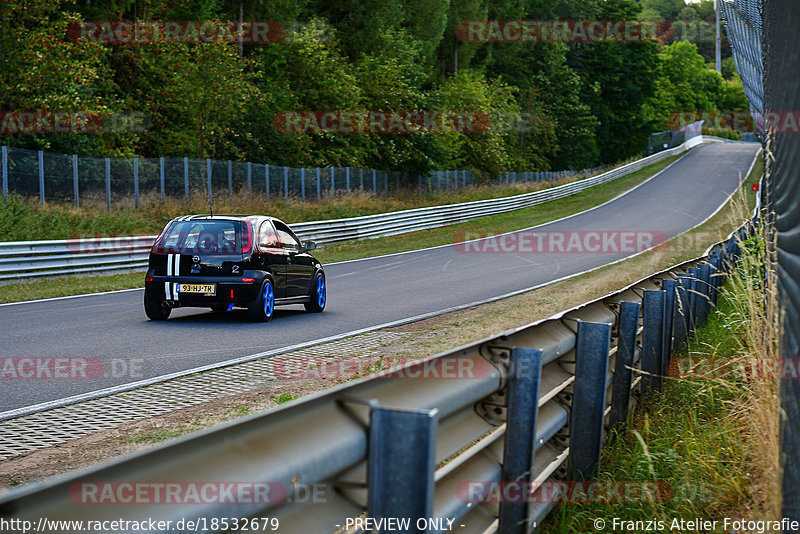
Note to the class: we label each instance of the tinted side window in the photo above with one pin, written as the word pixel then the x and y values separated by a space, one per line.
pixel 286 238
pixel 267 237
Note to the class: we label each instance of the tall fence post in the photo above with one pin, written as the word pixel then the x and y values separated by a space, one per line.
pixel 161 175
pixel 303 183
pixel 319 195
pixel 5 172
pixel 136 182
pixel 694 298
pixel 250 177
pixel 588 400
pixel 186 178
pixel 230 179
pixel 401 463
pixel 108 184
pixel 333 182
pixel 286 182
pixel 361 178
pixel 520 438
pixel 653 338
pixel 266 179
pixel 623 367
pixel 347 179
pixel 375 182
pixel 41 176
pixel 386 182
pixel 75 192
pixel 208 180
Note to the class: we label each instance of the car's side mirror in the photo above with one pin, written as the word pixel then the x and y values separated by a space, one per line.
pixel 309 245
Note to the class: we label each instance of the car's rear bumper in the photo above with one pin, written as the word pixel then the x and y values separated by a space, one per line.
pixel 227 289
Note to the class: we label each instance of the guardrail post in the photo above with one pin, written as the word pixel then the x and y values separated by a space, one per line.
pixel 186 178
pixel 715 260
pixel 401 463
pixel 669 316
pixel 161 176
pixel 75 179
pixel 520 440
pixel 108 184
pixel 683 311
pixel 694 299
pixel 623 368
pixel 250 177
pixel 41 176
pixel 653 338
pixel 704 290
pixel 588 399
pixel 333 182
pixel 136 182
pixel 230 179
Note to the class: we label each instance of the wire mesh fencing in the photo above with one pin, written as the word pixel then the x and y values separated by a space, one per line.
pixel 128 182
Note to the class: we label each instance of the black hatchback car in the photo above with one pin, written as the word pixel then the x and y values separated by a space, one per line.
pixel 221 262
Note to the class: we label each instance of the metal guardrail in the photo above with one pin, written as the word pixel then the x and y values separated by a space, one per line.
pixel 28 259
pixel 530 405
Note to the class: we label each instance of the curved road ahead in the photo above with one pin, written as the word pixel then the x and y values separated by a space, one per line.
pixel 362 293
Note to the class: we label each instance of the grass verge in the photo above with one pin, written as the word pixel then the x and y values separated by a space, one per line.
pixel 711 435
pixel 75 285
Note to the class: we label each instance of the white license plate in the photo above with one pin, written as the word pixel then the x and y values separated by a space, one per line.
pixel 203 289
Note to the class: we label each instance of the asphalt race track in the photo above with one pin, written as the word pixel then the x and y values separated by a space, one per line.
pixel 363 293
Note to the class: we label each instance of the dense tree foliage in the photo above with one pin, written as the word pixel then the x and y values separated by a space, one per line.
pixel 544 105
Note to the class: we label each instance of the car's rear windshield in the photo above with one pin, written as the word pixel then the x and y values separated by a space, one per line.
pixel 204 236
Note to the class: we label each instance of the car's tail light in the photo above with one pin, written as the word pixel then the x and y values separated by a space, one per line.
pixel 148 278
pixel 247 245
pixel 248 280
